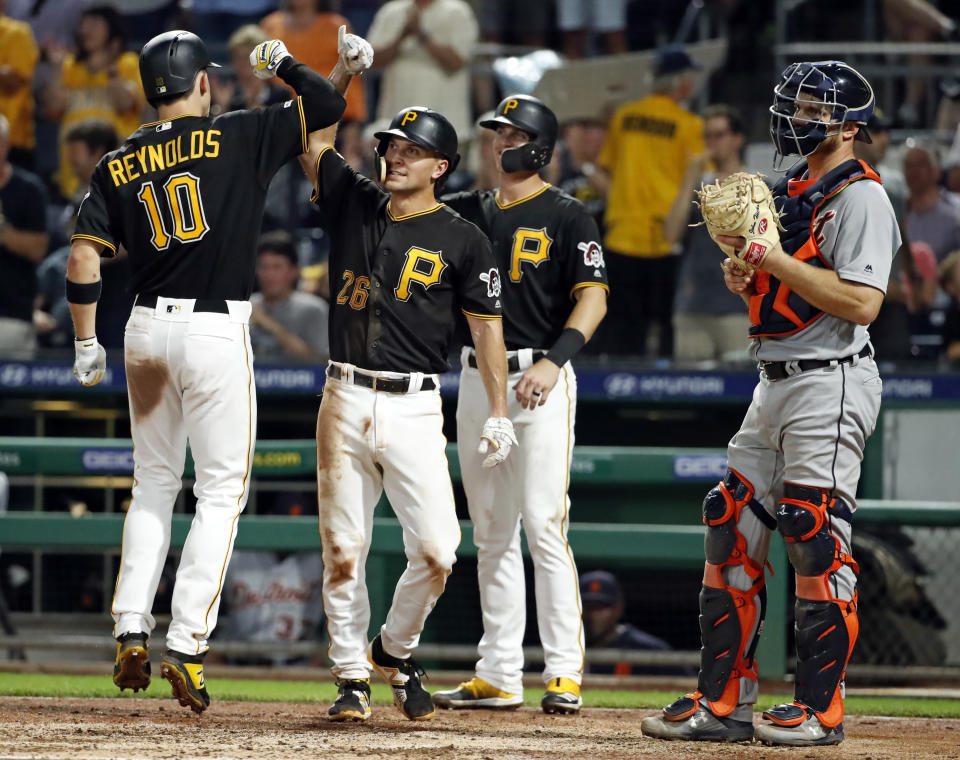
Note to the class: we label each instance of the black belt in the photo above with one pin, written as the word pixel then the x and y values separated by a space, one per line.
pixel 216 305
pixel 782 370
pixel 385 384
pixel 513 362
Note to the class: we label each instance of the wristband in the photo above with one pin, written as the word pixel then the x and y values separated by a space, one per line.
pixel 570 341
pixel 82 293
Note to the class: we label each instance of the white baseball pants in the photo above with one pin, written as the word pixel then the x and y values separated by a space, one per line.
pixel 369 442
pixel 530 485
pixel 189 377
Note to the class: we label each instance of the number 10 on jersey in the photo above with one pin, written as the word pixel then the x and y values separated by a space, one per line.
pixel 182 193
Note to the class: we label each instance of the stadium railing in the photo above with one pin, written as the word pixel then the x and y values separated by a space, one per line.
pixel 654 543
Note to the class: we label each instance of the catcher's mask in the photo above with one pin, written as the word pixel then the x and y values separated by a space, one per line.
pixel 813 100
pixel 529 114
pixel 425 127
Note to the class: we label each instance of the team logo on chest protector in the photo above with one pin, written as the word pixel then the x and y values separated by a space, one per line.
pixel 420 266
pixel 818 236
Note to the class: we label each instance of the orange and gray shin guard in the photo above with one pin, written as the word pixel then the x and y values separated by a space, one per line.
pixel 826 627
pixel 730 618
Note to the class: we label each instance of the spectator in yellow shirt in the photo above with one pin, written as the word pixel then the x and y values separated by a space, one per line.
pixel 18 58
pixel 98 81
pixel 649 145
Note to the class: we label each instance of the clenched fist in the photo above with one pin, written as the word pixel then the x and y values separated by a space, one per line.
pixel 356 54
pixel 266 57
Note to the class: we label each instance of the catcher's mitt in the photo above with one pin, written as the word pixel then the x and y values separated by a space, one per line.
pixel 741 204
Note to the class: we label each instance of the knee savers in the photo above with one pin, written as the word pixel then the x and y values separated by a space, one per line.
pixel 730 618
pixel 804 515
pixel 826 627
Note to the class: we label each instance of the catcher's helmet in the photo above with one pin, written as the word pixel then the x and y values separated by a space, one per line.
pixel 170 61
pixel 533 117
pixel 425 127
pixel 837 90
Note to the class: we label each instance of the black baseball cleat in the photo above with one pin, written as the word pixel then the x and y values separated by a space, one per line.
pixel 353 700
pixel 131 669
pixel 185 674
pixel 404 678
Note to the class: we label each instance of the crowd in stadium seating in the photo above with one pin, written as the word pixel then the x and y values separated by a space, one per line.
pixel 70 92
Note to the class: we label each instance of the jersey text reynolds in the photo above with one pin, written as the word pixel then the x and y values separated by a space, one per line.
pixel 154 158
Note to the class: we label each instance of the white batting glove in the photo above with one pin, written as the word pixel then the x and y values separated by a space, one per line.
pixel 90 362
pixel 266 57
pixel 356 54
pixel 498 438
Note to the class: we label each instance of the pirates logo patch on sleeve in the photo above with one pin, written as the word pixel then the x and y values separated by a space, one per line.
pixel 592 253
pixel 492 279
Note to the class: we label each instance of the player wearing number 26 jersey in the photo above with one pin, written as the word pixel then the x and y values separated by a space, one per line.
pixel 405 270
pixel 184 195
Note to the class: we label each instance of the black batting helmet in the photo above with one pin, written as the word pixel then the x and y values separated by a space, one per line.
pixel 170 62
pixel 828 92
pixel 427 128
pixel 533 117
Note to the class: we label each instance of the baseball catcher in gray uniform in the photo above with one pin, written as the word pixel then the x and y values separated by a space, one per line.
pixel 793 466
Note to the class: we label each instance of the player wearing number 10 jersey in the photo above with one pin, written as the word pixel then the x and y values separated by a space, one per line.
pixel 185 197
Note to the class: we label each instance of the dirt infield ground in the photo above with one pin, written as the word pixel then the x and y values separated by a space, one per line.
pixel 84 729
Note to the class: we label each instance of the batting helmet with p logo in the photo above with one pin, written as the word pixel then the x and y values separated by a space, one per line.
pixel 530 115
pixel 427 128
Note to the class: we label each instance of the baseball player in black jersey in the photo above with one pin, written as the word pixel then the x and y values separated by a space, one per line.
pixel 554 283
pixel 403 270
pixel 185 196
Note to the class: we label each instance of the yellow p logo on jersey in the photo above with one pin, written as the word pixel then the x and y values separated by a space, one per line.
pixel 408 116
pixel 528 245
pixel 509 105
pixel 420 266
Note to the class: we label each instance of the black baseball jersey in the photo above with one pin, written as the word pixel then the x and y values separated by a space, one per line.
pixel 398 285
pixel 186 197
pixel 546 246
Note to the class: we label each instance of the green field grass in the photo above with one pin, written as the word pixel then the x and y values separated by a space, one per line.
pixel 323 692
